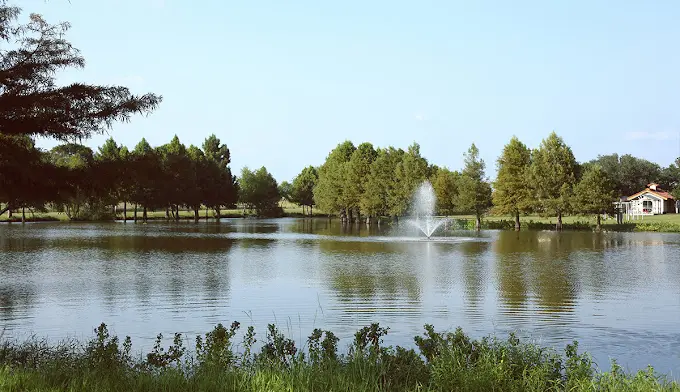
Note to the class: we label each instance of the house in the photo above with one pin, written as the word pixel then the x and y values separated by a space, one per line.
pixel 651 201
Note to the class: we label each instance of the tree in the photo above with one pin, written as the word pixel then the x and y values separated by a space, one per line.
pixel 553 174
pixel 512 191
pixel 474 190
pixel 223 189
pixel 355 175
pixel 445 184
pixel 286 191
pixel 258 190
pixel 381 184
pixel 147 178
pixel 76 190
pixel 628 173
pixel 411 171
pixel 302 189
pixel 34 105
pixel 329 191
pixel 594 194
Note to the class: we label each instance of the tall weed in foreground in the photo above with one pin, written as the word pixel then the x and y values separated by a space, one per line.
pixel 443 361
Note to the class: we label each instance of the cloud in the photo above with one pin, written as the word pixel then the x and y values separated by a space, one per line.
pixel 657 136
pixel 420 117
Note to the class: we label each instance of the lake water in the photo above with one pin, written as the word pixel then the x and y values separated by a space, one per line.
pixel 618 294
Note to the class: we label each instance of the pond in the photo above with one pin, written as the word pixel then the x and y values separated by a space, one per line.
pixel 618 294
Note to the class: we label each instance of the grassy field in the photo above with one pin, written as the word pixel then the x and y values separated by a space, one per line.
pixel 441 361
pixel 659 223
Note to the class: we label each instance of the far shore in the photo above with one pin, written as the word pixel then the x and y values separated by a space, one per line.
pixel 669 223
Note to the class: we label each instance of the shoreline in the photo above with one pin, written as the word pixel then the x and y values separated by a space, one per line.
pixel 459 222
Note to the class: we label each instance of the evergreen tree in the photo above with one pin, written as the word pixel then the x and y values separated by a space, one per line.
pixel 512 191
pixel 553 174
pixel 594 194
pixel 411 171
pixel 356 174
pixel 329 191
pixel 302 188
pixel 445 184
pixel 381 184
pixel 474 190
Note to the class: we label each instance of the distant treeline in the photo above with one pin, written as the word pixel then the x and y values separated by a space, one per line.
pixel 356 181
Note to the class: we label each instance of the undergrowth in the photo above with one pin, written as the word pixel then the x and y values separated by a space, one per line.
pixel 440 361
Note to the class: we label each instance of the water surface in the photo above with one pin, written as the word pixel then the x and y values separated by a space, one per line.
pixel 618 294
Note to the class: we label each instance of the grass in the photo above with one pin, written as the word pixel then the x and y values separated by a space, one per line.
pixel 449 361
pixel 655 223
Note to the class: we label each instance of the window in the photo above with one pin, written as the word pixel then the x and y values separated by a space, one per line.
pixel 647 206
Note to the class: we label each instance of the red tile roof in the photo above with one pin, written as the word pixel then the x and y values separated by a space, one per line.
pixel 661 193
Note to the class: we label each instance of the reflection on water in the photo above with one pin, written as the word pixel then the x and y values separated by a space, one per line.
pixel 618 294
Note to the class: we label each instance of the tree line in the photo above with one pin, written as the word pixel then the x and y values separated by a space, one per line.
pixel 361 181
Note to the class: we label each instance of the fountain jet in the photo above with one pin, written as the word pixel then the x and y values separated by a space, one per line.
pixel 424 202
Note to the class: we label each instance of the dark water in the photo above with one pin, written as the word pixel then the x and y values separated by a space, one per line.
pixel 617 294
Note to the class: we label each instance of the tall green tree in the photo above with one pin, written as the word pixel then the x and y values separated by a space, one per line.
pixel 223 189
pixel 410 173
pixel 381 185
pixel 76 190
pixel 445 184
pixel 553 174
pixel 302 188
pixel 628 173
pixel 329 191
pixel 147 178
pixel 512 190
pixel 474 190
pixel 594 194
pixel 259 191
pixel 355 176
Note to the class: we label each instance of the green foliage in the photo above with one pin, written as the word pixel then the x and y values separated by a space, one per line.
pixel 329 193
pixel 443 361
pixel 259 191
pixel 445 184
pixel 553 175
pixel 474 190
pixel 630 174
pixel 380 192
pixel 512 190
pixel 302 188
pixel 411 171
pixel 594 194
pixel 356 173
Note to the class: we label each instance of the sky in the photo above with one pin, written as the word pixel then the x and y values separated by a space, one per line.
pixel 283 82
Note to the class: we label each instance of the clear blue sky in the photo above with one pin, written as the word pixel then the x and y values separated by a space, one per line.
pixel 283 82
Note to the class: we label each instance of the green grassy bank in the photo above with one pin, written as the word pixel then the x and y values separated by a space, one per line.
pixel 669 223
pixel 450 361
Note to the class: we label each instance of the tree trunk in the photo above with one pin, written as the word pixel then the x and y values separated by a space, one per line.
pixel 599 223
pixel 559 221
pixel 167 213
pixel 368 220
pixel 135 216
pixel 311 211
pixel 124 211
pixel 23 214
pixel 518 225
pixel 196 216
pixel 144 216
pixel 9 213
pixel 478 222
pixel 177 214
pixel 218 213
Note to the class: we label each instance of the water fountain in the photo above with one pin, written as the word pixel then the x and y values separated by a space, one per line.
pixel 424 202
